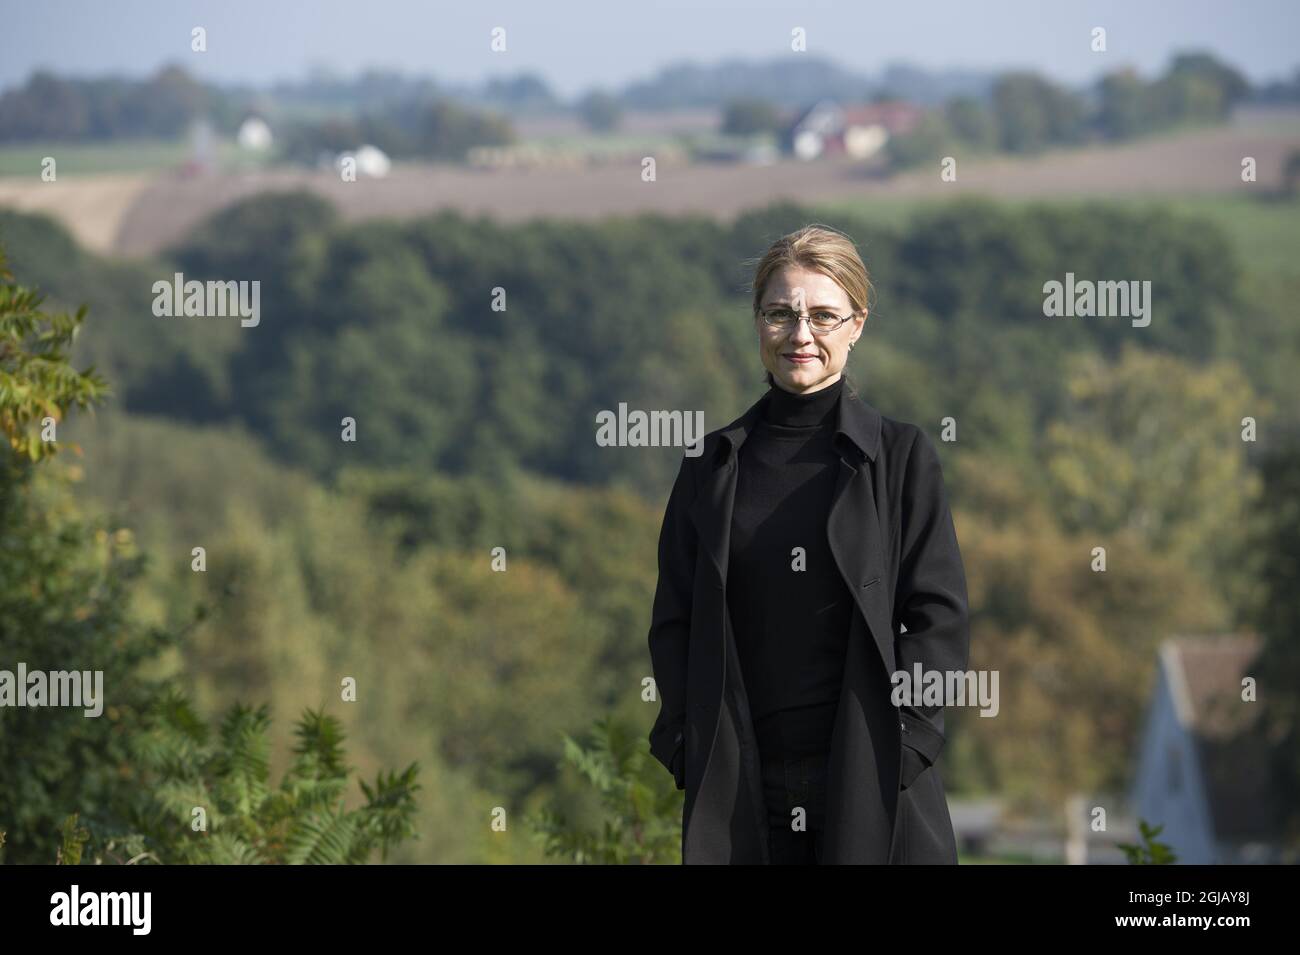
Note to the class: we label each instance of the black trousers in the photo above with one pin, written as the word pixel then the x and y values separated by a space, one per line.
pixel 790 784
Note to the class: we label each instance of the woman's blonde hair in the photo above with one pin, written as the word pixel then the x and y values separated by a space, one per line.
pixel 822 249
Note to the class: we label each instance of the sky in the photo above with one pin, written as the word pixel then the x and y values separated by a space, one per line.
pixel 579 44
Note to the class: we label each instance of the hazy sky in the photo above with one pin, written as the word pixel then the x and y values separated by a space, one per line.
pixel 575 44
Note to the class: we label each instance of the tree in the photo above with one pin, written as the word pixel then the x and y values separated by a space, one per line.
pixel 931 138
pixel 1230 84
pixel 1152 446
pixel 971 122
pixel 1033 113
pixel 600 111
pixel 1276 615
pixel 1075 648
pixel 1291 173
pixel 36 382
pixel 1124 110
pixel 65 593
pixel 64 584
pixel 746 116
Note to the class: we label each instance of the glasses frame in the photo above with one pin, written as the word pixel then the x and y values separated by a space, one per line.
pixel 803 316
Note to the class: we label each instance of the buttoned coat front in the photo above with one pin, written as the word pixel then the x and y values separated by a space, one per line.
pixel 891 532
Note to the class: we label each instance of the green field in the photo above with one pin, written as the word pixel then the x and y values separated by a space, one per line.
pixel 118 156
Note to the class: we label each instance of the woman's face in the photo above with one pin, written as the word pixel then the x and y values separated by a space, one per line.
pixel 823 356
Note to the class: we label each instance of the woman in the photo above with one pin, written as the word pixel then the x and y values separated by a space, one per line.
pixel 807 534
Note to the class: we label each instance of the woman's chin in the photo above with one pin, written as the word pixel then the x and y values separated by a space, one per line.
pixel 799 377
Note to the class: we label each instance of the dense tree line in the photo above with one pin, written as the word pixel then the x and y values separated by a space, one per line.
pixel 393 323
pixel 436 128
pixel 58 109
pixel 405 119
pixel 1026 112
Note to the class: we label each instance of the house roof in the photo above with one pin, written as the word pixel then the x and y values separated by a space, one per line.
pixel 895 115
pixel 829 117
pixel 1204 674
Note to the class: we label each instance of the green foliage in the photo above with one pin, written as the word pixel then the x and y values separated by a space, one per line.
pixel 971 123
pixel 476 432
pixel 177 366
pixel 1152 446
pixel 746 116
pixel 35 378
pixel 432 127
pixel 1275 612
pixel 1076 649
pixel 55 108
pixel 1148 851
pixel 138 767
pixel 1188 94
pixel 600 111
pixel 65 582
pixel 1027 113
pixel 932 137
pixel 74 842
pixel 392 324
pixel 1291 173
pixel 641 810
pixel 248 821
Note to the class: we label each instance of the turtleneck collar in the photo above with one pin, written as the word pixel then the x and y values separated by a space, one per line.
pixel 787 409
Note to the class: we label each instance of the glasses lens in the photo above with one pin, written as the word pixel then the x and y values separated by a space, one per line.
pixel 784 318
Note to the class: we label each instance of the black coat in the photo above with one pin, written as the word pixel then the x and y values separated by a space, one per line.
pixel 891 532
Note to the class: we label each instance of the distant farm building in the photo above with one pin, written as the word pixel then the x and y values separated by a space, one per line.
pixel 370 161
pixel 829 129
pixel 254 134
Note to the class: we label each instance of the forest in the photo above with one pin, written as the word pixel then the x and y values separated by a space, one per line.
pixel 474 359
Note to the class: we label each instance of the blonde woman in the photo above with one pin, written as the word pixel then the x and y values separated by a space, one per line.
pixel 806 555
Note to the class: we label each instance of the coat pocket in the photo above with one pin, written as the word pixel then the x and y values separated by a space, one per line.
pixel 920 734
pixel 913 765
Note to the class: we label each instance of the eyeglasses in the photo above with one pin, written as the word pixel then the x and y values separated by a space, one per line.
pixel 821 322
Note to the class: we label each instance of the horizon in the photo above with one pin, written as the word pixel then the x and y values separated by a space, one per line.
pixel 577 51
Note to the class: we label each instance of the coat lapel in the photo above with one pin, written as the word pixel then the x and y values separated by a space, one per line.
pixel 853 528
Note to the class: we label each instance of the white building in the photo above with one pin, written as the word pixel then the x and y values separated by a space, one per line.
pixel 1203 769
pixel 370 161
pixel 254 134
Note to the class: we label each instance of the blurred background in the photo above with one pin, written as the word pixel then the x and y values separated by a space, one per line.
pixel 428 644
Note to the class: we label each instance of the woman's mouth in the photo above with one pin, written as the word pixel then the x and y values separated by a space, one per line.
pixel 798 359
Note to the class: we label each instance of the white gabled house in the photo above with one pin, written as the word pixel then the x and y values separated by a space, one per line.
pixel 1203 769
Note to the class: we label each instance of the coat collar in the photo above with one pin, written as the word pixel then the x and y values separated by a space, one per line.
pixel 857 425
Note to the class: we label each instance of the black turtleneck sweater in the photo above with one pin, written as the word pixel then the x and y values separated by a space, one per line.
pixel 791 624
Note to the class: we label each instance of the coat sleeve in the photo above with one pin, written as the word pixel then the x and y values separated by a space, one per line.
pixel 670 625
pixel 930 600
